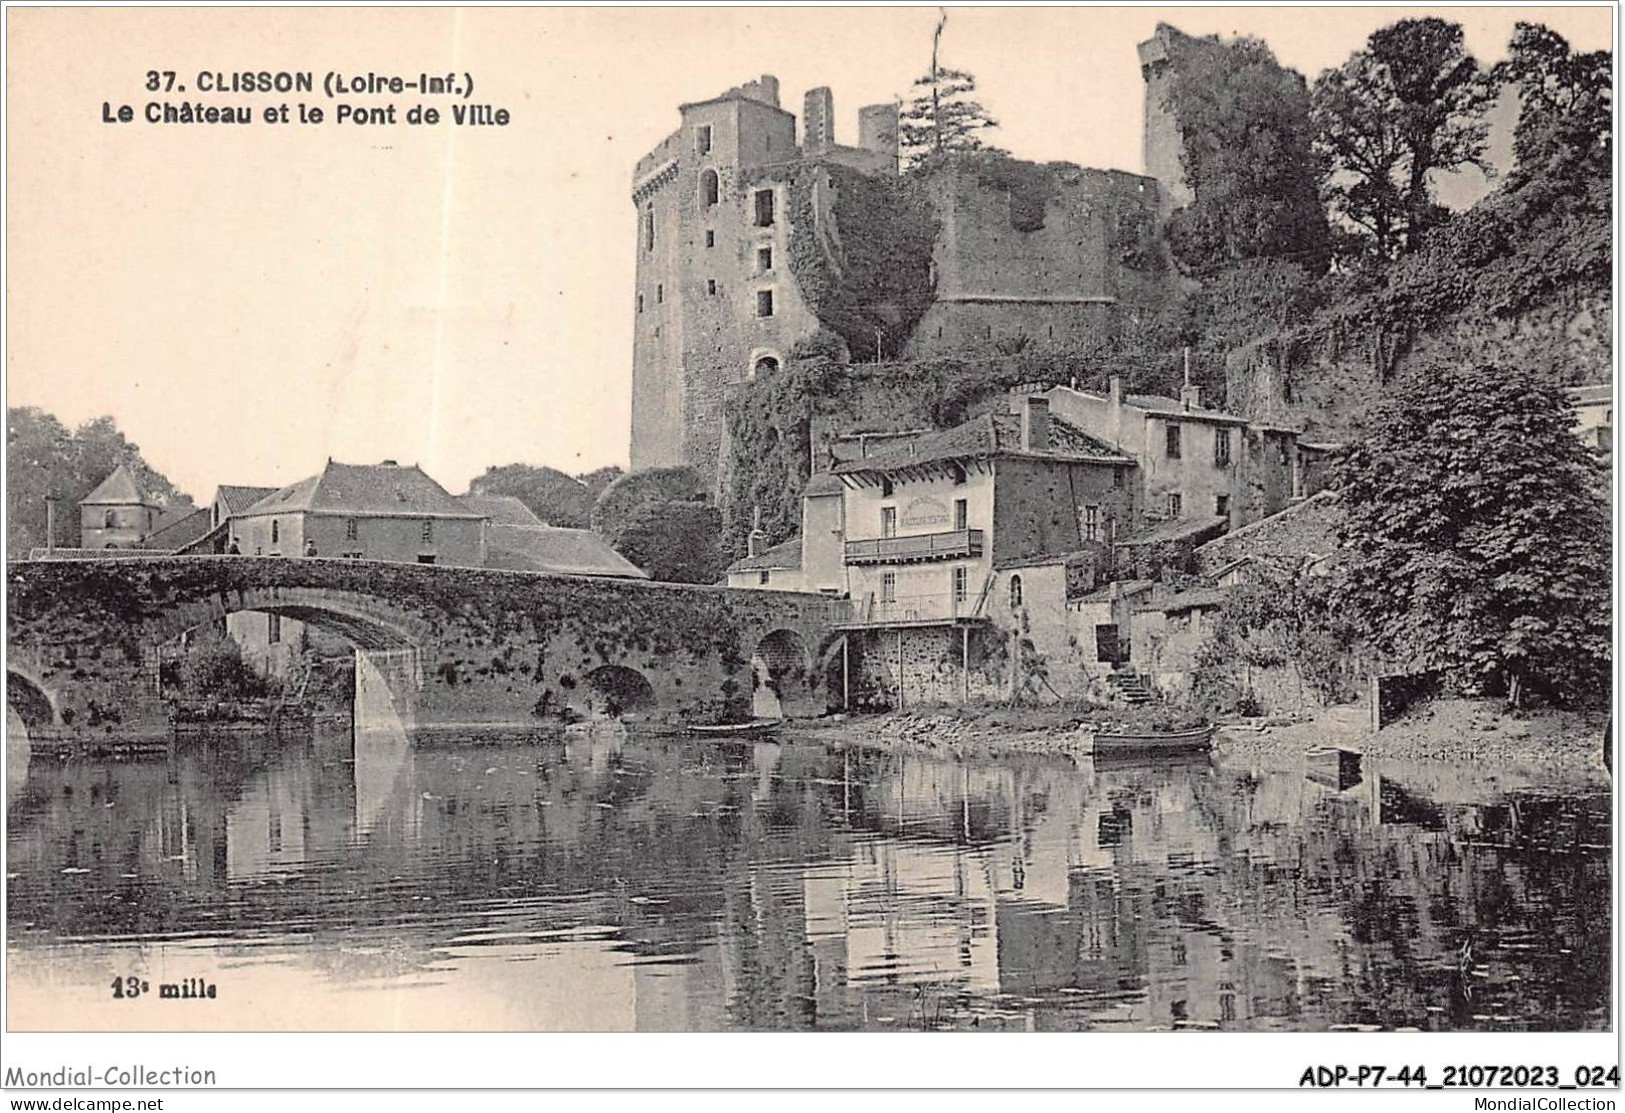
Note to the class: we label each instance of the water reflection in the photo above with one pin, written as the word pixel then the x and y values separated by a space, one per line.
pixel 611 881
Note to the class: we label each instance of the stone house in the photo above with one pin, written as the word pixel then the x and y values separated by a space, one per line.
pixel 364 512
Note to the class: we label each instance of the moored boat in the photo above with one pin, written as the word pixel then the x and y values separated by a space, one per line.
pixel 753 729
pixel 1155 741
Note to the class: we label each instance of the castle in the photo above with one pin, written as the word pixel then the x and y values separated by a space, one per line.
pixel 744 250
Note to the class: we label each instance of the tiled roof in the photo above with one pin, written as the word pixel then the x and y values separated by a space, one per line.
pixel 503 510
pixel 1185 601
pixel 566 552
pixel 179 531
pixel 786 554
pixel 1591 395
pixel 990 435
pixel 238 498
pixel 118 489
pixel 1038 559
pixel 1163 406
pixel 1177 529
pixel 366 489
pixel 1125 588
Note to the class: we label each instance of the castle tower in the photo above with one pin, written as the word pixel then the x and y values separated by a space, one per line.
pixel 1162 145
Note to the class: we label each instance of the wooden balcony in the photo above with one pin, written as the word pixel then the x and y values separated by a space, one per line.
pixel 917 548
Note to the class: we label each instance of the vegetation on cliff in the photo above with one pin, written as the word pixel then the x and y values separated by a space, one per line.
pixel 1476 535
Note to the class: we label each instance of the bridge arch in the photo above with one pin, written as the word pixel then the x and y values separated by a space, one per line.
pixel 29 699
pixel 366 621
pixel 784 682
pixel 613 692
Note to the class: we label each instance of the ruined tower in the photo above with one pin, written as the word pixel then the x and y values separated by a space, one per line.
pixel 716 304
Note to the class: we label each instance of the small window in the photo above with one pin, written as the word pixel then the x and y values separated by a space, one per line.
pixel 764 303
pixel 1119 477
pixel 888 521
pixel 425 558
pixel 1015 593
pixel 1221 447
pixel 1176 505
pixel 276 532
pixel 660 293
pixel 1221 506
pixel 649 227
pixel 640 303
pixel 766 365
pixel 961 514
pixel 710 189
pixel 702 139
pixel 273 628
pixel 888 587
pixel 428 529
pixel 764 208
pixel 961 584
pixel 764 577
pixel 958 474
pixel 1173 441
pixel 352 529
pixel 710 238
pixel 885 485
pixel 711 286
pixel 110 520
pixel 1091 523
pixel 764 259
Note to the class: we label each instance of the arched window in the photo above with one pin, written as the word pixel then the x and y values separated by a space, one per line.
pixel 110 520
pixel 1015 593
pixel 764 366
pixel 710 188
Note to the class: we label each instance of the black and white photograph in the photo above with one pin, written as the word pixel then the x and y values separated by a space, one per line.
pixel 804 519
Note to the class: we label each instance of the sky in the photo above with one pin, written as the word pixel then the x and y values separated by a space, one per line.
pixel 248 302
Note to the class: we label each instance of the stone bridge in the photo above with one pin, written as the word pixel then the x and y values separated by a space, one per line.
pixel 485 646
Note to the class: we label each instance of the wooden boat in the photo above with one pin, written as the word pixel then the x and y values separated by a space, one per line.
pixel 753 729
pixel 1154 741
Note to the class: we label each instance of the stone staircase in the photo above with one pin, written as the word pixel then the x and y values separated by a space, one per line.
pixel 1129 686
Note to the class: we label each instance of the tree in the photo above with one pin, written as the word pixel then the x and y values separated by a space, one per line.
pixel 1476 537
pixel 44 458
pixel 1247 157
pixel 1409 104
pixel 552 496
pixel 596 480
pixel 676 542
pixel 944 116
pixel 1565 105
pixel 631 492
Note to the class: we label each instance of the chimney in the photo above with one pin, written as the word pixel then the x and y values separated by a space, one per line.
pixel 877 130
pixel 1190 395
pixel 1116 392
pixel 818 121
pixel 753 543
pixel 1035 425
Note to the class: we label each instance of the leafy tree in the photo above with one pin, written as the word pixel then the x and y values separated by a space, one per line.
pixel 555 498
pixel 674 541
pixel 44 458
pixel 631 492
pixel 1565 105
pixel 1409 104
pixel 944 116
pixel 1476 537
pixel 1248 158
pixel 595 481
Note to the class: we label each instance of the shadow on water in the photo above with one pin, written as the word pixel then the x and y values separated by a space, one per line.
pixel 606 878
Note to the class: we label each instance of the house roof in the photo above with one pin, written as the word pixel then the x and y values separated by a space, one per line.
pixel 786 554
pixel 503 510
pixel 1123 588
pixel 1178 529
pixel 1202 597
pixel 990 435
pixel 1163 406
pixel 179 530
pixel 1306 529
pixel 565 552
pixel 238 498
pixel 1592 395
pixel 366 489
pixel 1037 560
pixel 118 489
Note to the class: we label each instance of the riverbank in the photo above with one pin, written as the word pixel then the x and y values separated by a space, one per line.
pixel 1477 732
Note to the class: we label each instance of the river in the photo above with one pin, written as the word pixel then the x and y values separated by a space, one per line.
pixel 614 881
